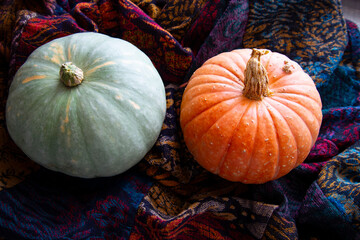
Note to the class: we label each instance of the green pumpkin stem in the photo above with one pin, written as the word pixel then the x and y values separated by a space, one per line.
pixel 256 79
pixel 70 74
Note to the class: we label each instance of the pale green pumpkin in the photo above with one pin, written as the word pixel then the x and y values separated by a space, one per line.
pixel 101 127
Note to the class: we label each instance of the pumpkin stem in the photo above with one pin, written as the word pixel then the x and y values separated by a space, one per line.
pixel 256 79
pixel 70 74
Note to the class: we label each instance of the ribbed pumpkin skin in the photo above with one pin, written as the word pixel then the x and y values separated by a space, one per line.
pixel 243 140
pixel 103 126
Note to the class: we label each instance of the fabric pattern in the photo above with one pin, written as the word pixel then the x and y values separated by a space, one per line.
pixel 168 195
pixel 226 35
pixel 176 17
pixel 78 209
pixel 311 34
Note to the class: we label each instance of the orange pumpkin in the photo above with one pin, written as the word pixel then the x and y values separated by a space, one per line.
pixel 250 116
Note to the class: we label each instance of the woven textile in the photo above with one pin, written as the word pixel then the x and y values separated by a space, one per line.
pixel 168 195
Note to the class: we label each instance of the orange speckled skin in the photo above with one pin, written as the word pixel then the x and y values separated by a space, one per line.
pixel 243 140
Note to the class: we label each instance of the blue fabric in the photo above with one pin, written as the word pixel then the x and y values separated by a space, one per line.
pixel 65 207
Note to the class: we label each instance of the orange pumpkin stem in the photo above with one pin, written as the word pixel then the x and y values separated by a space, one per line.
pixel 256 79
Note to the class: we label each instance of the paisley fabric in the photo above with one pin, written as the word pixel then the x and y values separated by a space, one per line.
pixel 168 195
pixel 176 17
pixel 225 35
pixel 306 32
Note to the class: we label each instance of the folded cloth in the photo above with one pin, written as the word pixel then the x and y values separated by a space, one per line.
pixel 168 195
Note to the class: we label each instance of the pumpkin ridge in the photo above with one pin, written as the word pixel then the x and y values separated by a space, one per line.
pixel 277 139
pixel 234 78
pixel 130 114
pixel 292 137
pixel 273 79
pixel 42 111
pixel 105 86
pixel 36 101
pixel 97 67
pixel 215 87
pixel 142 129
pixel 235 62
pixel 265 162
pixel 267 67
pixel 206 109
pixel 279 102
pixel 197 81
pixel 52 71
pixel 116 87
pixel 48 76
pixel 219 119
pixel 53 59
pixel 278 80
pixel 212 69
pixel 236 94
pixel 246 172
pixel 82 130
pixel 221 164
pixel 298 119
pixel 267 64
pixel 290 85
pixel 309 126
pixel 277 135
pixel 95 49
pixel 93 64
pixel 68 49
pixel 243 63
pixel 299 95
pixel 88 141
pixel 50 132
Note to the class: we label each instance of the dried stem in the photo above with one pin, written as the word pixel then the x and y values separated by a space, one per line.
pixel 256 79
